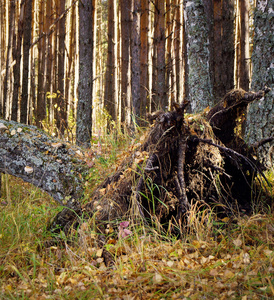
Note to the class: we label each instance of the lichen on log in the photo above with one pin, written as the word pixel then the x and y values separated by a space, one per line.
pixel 55 166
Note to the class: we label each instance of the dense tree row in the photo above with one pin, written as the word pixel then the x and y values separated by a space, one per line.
pixel 129 57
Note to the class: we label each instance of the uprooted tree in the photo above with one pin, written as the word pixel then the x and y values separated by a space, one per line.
pixel 184 160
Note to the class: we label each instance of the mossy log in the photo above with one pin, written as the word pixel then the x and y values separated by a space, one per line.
pixel 54 166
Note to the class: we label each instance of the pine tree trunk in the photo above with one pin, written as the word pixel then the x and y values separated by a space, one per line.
pixel 198 55
pixel 41 92
pixel 222 50
pixel 260 118
pixel 144 92
pixel 61 117
pixel 26 50
pixel 244 45
pixel 84 108
pixel 161 59
pixel 135 58
pixel 126 8
pixel 10 11
pixel 16 69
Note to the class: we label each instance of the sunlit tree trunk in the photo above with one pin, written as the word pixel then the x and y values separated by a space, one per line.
pixel 26 50
pixel 110 101
pixel 10 11
pixel 2 59
pixel 154 101
pixel 179 43
pixel 126 9
pixel 61 116
pixel 244 65
pixel 169 58
pixel 41 92
pixel 260 118
pixel 84 108
pixel 144 92
pixel 17 67
pixel 95 61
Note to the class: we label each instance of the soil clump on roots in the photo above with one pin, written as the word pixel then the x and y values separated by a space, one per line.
pixel 185 160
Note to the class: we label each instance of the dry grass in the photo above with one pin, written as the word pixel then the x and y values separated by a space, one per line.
pixel 230 258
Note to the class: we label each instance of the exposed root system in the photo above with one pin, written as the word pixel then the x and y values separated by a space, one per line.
pixel 184 160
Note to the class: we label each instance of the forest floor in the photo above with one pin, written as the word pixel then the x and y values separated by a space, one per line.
pixel 229 258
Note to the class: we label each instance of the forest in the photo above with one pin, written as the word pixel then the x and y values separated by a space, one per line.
pixel 136 149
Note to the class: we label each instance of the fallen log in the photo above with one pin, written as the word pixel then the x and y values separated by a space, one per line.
pixel 52 165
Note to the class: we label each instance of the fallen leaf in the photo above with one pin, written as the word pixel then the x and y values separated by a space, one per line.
pixel 99 252
pixel 170 263
pixel 213 272
pixel 228 274
pixel 238 242
pixel 157 278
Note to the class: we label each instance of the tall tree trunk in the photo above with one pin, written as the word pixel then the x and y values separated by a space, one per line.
pixel 135 57
pixel 154 100
pixel 198 55
pixel 26 48
pixel 7 83
pixel 110 101
pixel 179 44
pixel 244 45
pixel 222 50
pixel 169 28
pixel 260 118
pixel 84 108
pixel 126 9
pixel 61 117
pixel 144 92
pixel 17 67
pixel 41 92
pixel 161 58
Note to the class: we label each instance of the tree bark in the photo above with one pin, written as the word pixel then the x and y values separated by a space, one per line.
pixel 42 53
pixel 161 59
pixel 84 108
pixel 135 59
pixel 198 55
pixel 260 117
pixel 244 65
pixel 126 9
pixel 111 76
pixel 7 82
pixel 61 116
pixel 17 67
pixel 144 92
pixel 26 48
pixel 222 49
pixel 56 167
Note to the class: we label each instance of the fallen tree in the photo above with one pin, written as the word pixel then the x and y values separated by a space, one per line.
pixel 184 161
pixel 55 166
